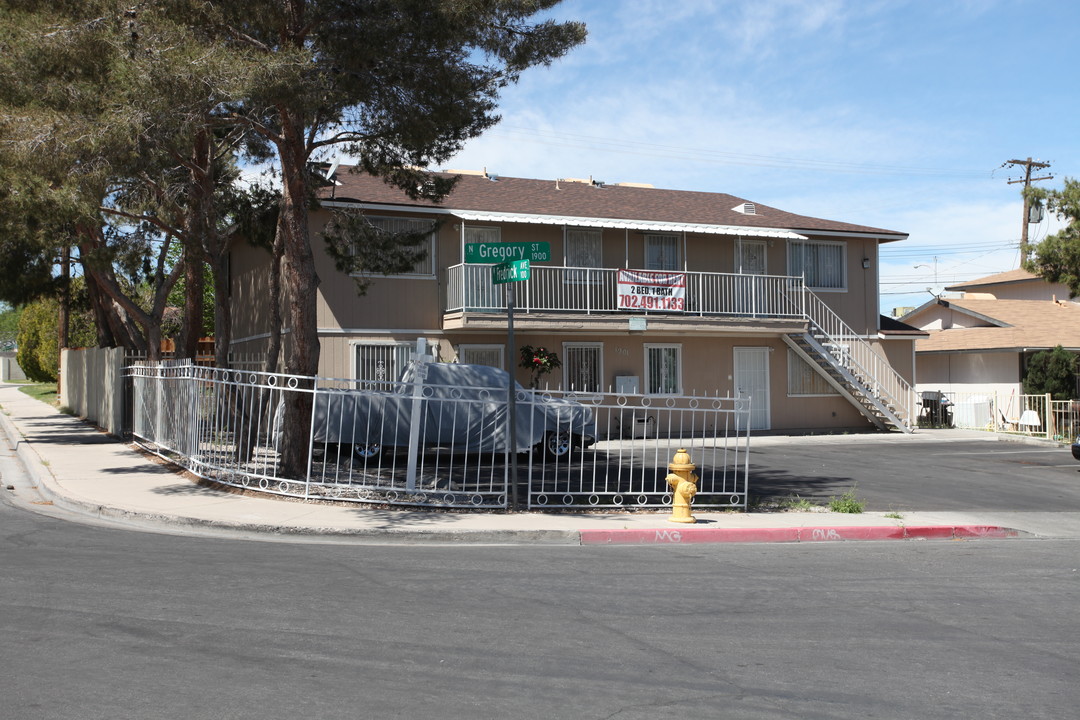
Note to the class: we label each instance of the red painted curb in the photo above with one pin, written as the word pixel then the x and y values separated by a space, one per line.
pixel 685 535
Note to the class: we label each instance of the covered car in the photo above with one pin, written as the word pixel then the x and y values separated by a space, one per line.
pixel 462 407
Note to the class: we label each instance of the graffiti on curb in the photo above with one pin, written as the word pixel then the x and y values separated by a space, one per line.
pixel 825 534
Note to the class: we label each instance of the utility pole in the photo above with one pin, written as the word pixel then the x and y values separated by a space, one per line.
pixel 1028 166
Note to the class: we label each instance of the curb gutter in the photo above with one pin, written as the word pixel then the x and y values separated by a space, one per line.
pixel 800 534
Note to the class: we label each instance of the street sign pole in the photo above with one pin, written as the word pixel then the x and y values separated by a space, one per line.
pixel 511 397
pixel 508 273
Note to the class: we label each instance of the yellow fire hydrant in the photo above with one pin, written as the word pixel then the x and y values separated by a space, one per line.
pixel 683 484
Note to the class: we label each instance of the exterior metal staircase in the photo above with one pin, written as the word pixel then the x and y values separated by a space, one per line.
pixel 854 367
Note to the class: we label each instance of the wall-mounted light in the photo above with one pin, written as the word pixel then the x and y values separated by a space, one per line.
pixel 866 263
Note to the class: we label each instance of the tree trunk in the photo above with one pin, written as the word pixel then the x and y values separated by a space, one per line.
pixel 219 266
pixel 201 234
pixel 187 346
pixel 114 326
pixel 298 266
pixel 273 349
pixel 64 323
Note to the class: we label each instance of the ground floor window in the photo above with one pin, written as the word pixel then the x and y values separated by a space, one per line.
pixel 381 362
pixel 490 355
pixel 583 369
pixel 663 369
pixel 804 380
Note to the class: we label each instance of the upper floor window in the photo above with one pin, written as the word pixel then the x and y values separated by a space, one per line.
pixel 398 225
pixel 482 234
pixel 582 251
pixel 821 262
pixel 583 248
pixel 662 252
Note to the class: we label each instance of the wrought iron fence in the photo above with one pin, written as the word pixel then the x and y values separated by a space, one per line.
pixel 439 440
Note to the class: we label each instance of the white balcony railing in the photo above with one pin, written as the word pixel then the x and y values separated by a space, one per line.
pixel 594 290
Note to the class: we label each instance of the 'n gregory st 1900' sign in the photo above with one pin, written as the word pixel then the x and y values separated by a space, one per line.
pixel 648 290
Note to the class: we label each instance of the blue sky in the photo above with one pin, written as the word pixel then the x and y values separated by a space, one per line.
pixel 891 113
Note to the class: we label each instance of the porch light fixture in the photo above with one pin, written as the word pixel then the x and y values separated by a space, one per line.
pixel 866 263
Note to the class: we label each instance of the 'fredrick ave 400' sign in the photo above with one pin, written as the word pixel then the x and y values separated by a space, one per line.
pixel 645 290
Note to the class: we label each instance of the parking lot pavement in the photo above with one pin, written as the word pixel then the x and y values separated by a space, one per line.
pixel 938 470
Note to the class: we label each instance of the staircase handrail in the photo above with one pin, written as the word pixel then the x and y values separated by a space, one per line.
pixel 853 352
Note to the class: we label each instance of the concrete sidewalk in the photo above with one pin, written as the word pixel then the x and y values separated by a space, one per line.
pixel 79 468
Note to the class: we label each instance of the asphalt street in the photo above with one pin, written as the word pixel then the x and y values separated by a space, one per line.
pixel 103 623
pixel 913 476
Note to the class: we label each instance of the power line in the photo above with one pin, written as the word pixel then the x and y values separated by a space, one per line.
pixel 921 253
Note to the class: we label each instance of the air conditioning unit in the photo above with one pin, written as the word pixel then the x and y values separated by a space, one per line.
pixel 644 426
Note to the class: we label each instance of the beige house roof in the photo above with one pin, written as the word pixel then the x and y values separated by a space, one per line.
pixel 572 199
pixel 1011 276
pixel 1006 325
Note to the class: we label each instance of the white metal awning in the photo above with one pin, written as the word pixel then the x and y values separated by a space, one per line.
pixel 647 225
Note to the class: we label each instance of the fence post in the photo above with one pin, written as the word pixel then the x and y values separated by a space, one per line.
pixel 414 419
pixel 1049 417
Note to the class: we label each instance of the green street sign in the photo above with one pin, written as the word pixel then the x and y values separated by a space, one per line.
pixel 480 252
pixel 513 271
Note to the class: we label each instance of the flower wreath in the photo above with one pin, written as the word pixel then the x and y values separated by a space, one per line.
pixel 539 361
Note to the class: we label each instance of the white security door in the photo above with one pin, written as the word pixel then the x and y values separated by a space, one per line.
pixel 750 257
pixel 746 290
pixel 752 380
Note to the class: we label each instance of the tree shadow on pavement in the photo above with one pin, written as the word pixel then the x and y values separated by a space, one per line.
pixel 767 486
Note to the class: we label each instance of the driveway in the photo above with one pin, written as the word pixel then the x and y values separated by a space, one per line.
pixel 928 471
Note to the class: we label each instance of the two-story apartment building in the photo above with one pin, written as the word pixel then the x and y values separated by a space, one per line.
pixel 659 292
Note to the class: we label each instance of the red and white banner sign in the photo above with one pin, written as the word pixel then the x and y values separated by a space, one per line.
pixel 645 290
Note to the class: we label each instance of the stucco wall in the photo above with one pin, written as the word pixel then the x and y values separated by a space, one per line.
pixel 969 372
pixel 91 385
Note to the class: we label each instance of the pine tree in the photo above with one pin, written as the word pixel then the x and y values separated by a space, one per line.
pixel 400 84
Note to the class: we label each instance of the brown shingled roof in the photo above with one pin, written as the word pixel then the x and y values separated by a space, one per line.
pixel 1028 324
pixel 1011 276
pixel 585 200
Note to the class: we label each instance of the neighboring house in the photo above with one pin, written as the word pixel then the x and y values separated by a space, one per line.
pixel 661 292
pixel 981 341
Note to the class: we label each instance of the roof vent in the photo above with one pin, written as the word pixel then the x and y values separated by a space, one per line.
pixel 746 209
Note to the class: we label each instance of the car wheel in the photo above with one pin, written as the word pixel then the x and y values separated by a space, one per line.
pixel 558 444
pixel 367 450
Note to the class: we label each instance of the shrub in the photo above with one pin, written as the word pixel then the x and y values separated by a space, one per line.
pixel 38 354
pixel 847 503
pixel 1051 371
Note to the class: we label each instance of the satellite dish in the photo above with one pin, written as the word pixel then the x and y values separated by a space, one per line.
pixel 333 168
pixel 936 290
